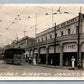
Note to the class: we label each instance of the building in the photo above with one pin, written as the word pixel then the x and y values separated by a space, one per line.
pixel 59 51
pixel 23 42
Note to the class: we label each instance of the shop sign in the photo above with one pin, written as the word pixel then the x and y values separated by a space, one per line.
pixel 70 47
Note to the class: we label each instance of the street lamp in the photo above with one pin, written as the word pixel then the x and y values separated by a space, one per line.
pixel 57 12
pixel 36 25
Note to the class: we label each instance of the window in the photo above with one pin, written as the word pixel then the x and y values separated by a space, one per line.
pixel 68 31
pixel 61 33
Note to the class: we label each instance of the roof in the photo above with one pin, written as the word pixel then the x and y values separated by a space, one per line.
pixel 58 26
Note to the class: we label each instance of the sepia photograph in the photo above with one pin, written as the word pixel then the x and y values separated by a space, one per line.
pixel 41 41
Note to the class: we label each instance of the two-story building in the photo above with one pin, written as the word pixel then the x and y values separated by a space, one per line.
pixel 24 42
pixel 59 50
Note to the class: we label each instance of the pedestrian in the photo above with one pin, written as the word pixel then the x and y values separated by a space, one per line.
pixel 73 62
pixel 34 60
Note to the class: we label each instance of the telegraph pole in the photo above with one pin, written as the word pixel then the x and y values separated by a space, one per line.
pixel 36 25
pixel 55 42
pixel 79 26
pixel 52 17
pixel 24 32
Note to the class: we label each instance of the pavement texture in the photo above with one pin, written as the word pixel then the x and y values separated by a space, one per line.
pixel 27 70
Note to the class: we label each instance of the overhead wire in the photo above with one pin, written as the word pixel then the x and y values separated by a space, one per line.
pixel 15 21
pixel 30 17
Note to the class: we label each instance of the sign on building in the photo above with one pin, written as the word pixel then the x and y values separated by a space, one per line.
pixel 70 47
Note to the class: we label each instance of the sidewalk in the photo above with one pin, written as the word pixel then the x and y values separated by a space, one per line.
pixel 52 66
pixel 59 67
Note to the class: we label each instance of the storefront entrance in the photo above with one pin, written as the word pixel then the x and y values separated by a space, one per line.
pixel 42 58
pixel 54 59
pixel 67 58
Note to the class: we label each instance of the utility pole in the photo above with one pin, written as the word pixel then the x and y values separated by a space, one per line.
pixel 24 32
pixel 52 17
pixel 79 26
pixel 55 42
pixel 36 25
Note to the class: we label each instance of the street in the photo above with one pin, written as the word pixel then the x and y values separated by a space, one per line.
pixel 27 70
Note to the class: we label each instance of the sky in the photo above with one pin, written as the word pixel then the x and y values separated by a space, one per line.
pixel 17 18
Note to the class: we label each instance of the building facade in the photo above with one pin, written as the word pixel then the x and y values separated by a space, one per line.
pixel 23 42
pixel 59 51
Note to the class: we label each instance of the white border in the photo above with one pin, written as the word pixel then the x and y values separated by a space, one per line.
pixel 41 4
pixel 41 78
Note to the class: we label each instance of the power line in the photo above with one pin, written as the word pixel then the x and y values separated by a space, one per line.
pixel 19 15
pixel 14 21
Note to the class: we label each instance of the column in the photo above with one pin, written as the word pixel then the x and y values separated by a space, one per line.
pixel 80 50
pixel 29 52
pixel 38 56
pixel 47 54
pixel 61 55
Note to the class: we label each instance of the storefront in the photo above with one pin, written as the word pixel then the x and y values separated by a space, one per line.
pixel 42 55
pixel 69 50
pixel 54 56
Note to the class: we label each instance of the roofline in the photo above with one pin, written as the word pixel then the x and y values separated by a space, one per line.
pixel 56 26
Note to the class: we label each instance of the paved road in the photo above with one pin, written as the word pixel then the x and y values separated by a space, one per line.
pixel 27 70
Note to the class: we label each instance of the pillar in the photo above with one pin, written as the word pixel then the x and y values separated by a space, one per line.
pixel 61 55
pixel 80 51
pixel 29 52
pixel 47 54
pixel 38 57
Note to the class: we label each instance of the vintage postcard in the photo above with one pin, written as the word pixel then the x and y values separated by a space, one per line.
pixel 41 42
